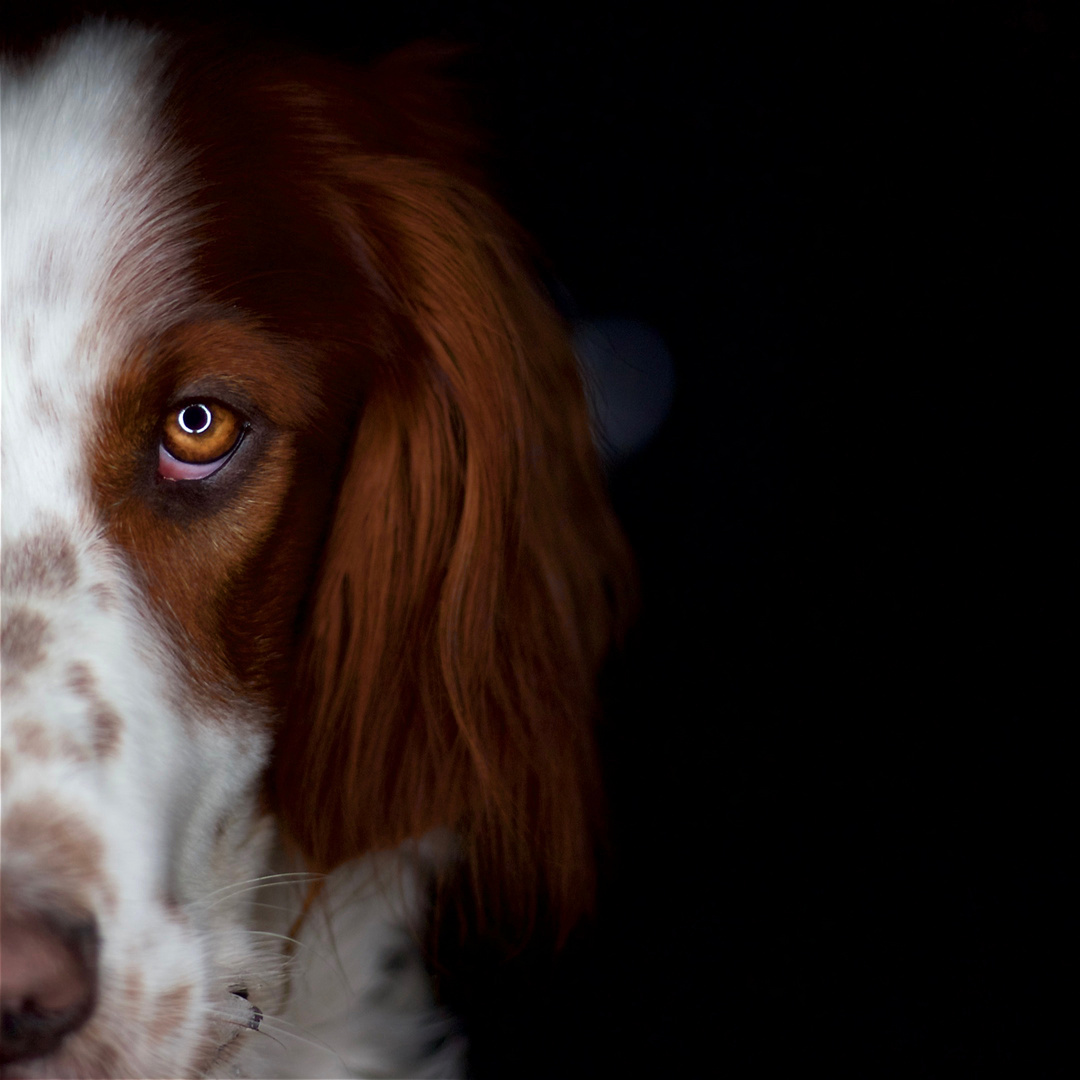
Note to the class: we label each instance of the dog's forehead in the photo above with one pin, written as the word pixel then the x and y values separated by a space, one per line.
pixel 92 255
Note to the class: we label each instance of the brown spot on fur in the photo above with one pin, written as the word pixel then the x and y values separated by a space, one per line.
pixel 106 725
pixel 103 596
pixel 32 739
pixel 67 855
pixel 44 563
pixel 171 1009
pixel 172 908
pixel 107 728
pixel 23 637
pixel 81 680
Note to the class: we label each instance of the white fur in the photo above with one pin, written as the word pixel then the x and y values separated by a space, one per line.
pixel 90 259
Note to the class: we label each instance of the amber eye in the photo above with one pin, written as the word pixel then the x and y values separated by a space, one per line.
pixel 200 432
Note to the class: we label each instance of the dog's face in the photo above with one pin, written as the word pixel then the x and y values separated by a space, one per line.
pixel 136 704
pixel 305 551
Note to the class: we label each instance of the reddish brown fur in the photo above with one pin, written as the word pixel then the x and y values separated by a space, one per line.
pixel 214 578
pixel 463 607
pixel 428 436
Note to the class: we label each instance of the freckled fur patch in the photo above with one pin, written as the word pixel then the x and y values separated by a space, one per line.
pixel 81 680
pixel 67 855
pixel 23 638
pixel 171 1009
pixel 44 563
pixel 173 911
pixel 32 739
pixel 106 725
pixel 103 596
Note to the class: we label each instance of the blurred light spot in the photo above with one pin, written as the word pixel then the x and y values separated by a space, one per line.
pixel 630 380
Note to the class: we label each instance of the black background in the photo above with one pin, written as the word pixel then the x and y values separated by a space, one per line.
pixel 837 801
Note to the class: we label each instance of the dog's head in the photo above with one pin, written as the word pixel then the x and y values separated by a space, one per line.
pixel 305 547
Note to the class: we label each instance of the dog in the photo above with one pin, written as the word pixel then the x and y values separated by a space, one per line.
pixel 308 564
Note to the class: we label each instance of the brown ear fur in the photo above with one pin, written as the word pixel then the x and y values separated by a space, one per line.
pixel 473 573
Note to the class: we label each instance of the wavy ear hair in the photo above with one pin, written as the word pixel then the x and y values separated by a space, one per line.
pixel 474 572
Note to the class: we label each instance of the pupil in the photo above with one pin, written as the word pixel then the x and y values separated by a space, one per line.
pixel 195 419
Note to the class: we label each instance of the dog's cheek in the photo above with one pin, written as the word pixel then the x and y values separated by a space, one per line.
pixel 274 583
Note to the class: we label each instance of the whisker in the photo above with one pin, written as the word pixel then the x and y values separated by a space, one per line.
pixel 288 909
pixel 284 876
pixel 238 888
pixel 279 937
pixel 331 959
pixel 241 1027
pixel 292 1031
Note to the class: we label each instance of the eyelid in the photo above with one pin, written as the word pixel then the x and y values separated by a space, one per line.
pixel 171 468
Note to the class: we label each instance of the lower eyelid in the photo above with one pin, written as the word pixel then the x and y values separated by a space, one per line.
pixel 170 468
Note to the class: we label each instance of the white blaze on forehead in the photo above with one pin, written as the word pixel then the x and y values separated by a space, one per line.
pixel 92 252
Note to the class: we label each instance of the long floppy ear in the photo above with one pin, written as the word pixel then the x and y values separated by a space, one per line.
pixel 473 571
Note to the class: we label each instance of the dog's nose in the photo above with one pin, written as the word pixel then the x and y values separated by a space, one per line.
pixel 48 981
